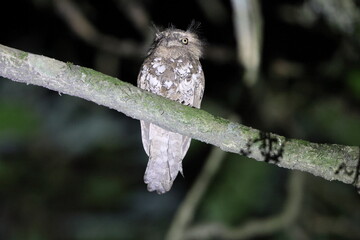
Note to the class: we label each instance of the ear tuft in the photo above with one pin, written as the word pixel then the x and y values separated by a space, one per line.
pixel 193 26
pixel 156 30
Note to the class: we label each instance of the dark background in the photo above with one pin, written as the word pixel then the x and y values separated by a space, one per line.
pixel 70 169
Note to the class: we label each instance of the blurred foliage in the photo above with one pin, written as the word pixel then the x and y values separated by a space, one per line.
pixel 353 83
pixel 70 169
pixel 332 120
pixel 239 192
pixel 16 121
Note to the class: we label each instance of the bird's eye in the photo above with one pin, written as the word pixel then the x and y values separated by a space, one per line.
pixel 184 41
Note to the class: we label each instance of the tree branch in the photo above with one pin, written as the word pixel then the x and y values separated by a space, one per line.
pixel 330 161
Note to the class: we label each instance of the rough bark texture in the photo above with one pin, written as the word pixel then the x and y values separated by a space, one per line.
pixel 330 161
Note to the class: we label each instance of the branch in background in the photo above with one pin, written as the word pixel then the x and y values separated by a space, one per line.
pixel 311 11
pixel 186 211
pixel 83 28
pixel 80 25
pixel 137 14
pixel 330 161
pixel 329 225
pixel 261 227
pixel 248 30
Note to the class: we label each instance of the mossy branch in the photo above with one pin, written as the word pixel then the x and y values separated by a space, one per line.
pixel 330 161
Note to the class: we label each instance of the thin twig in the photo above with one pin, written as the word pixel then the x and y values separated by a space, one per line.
pixel 136 13
pixel 186 211
pixel 86 31
pixel 80 25
pixel 259 227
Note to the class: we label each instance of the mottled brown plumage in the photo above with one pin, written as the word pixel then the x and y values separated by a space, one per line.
pixel 171 69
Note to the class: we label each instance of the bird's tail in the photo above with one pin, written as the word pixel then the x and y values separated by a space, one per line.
pixel 165 159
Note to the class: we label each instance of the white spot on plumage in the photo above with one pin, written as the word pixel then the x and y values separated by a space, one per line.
pixel 195 77
pixel 161 69
pixel 181 71
pixel 156 64
pixel 168 84
pixel 153 80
